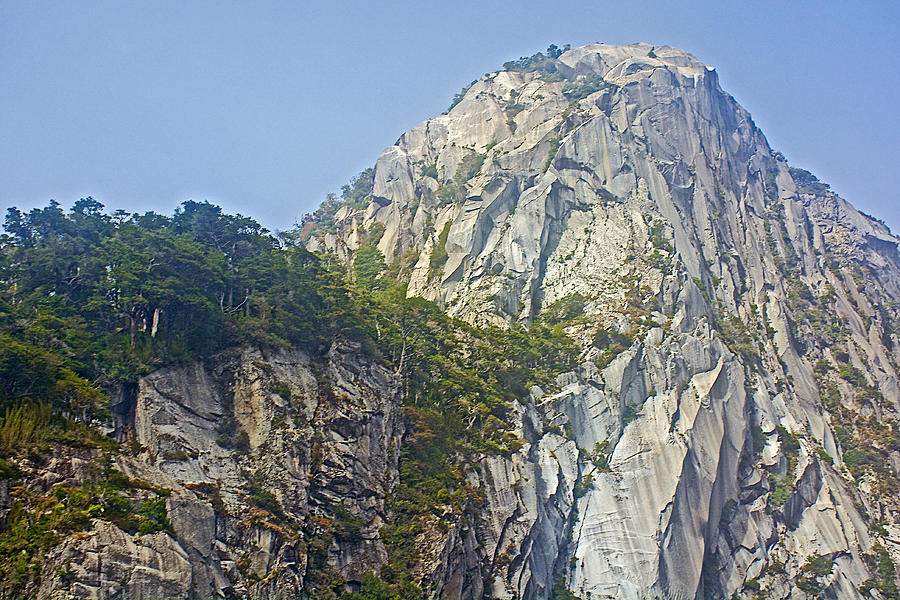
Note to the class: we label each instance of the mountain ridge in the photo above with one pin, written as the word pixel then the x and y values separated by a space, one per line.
pixel 584 335
pixel 617 164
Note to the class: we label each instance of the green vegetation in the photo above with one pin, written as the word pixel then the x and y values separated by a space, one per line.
pixel 610 343
pixel 583 485
pixel 90 300
pixel 812 323
pixel 729 510
pixel 866 441
pixel 881 565
pixel 808 183
pixel 469 166
pixel 563 310
pixel 439 252
pixel 658 237
pixel 629 414
pixel 430 171
pixel 560 590
pixel 322 220
pixel 262 498
pixel 539 62
pixel 771 187
pixel 459 383
pixel 23 426
pixel 36 522
pixel 373 588
pixel 355 194
pixel 551 152
pixel 600 456
pixel 511 111
pixel 813 570
pixel 739 339
pixel 460 95
pixel 368 264
pixel 231 436
pixel 852 375
pixel 447 193
pixel 358 192
pixel 784 485
pixel 584 86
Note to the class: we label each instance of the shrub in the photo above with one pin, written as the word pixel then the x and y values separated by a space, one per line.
pixel 560 591
pixel 231 436
pixel 822 367
pixel 738 338
pixel 537 62
pixel 430 171
pixel 23 426
pixel 469 166
pixel 439 253
pixel 358 192
pixel 808 183
pixel 282 389
pixel 583 485
pixel 9 470
pixel 882 567
pixel 584 86
pixel 368 264
pixel 783 488
pixel 447 193
pixel 551 152
pixel 825 457
pixel 263 498
pixel 853 375
pixel 816 566
pixel 153 516
pixel 784 485
pixel 460 95
pixel 564 309
pixel 347 526
pixel 610 343
pixel 658 238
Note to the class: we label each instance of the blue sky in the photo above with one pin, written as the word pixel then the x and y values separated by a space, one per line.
pixel 265 107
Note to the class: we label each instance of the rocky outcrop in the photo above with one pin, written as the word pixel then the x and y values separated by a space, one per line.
pixel 731 427
pixel 276 468
pixel 109 562
pixel 708 457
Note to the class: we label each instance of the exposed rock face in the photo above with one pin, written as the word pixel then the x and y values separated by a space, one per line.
pixel 318 441
pixel 732 418
pixel 753 299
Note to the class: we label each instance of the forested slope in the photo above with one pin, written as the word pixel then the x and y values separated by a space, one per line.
pixel 93 303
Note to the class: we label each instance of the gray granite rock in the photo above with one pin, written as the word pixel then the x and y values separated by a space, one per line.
pixel 701 457
pixel 657 199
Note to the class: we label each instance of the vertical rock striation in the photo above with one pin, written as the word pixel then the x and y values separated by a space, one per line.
pixel 704 453
pixel 276 468
pixel 731 429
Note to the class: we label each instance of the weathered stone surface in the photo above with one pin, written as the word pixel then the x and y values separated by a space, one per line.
pixel 216 435
pixel 697 451
pixel 108 562
pixel 657 199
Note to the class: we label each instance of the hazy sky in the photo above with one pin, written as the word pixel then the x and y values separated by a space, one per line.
pixel 264 107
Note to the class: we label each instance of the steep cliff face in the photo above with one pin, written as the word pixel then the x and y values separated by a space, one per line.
pixel 733 426
pixel 730 428
pixel 275 466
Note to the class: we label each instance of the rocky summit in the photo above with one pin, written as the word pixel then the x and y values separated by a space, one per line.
pixel 648 356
